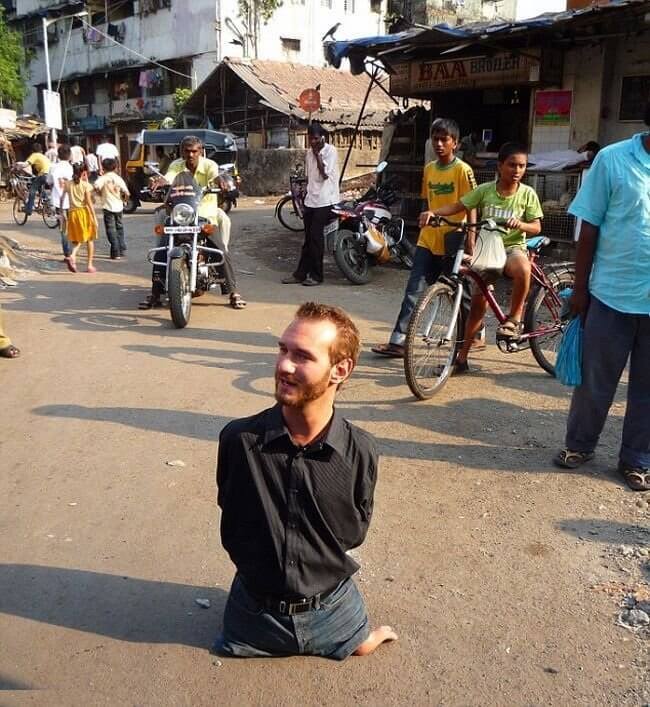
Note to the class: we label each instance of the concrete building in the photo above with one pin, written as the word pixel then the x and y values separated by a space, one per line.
pixel 119 66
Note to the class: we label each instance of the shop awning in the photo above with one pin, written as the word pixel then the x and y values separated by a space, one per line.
pixel 573 25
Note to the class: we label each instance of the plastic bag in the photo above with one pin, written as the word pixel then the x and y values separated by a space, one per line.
pixel 490 253
pixel 568 364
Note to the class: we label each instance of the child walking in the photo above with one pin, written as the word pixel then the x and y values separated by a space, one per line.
pixel 113 191
pixel 82 222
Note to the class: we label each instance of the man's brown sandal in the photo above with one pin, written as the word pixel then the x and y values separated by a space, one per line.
pixel 237 301
pixel 509 329
pixel 390 350
pixel 568 459
pixel 636 477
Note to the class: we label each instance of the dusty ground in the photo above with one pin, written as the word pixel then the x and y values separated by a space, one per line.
pixel 503 577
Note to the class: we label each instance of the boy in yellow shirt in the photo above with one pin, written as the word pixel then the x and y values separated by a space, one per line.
pixel 444 181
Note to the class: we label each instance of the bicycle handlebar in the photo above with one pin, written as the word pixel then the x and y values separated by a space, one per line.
pixel 489 224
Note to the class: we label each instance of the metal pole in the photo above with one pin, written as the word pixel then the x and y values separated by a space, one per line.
pixel 356 128
pixel 47 70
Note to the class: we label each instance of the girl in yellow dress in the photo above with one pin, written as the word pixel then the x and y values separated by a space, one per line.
pixel 82 222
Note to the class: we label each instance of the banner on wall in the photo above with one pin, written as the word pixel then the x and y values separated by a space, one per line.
pixel 553 108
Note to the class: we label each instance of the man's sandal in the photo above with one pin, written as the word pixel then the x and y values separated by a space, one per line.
pixel 10 352
pixel 509 329
pixel 636 477
pixel 567 459
pixel 151 302
pixel 390 350
pixel 237 301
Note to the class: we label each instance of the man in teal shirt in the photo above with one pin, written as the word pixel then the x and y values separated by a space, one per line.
pixel 612 295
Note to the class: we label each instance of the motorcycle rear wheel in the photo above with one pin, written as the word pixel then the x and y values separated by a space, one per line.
pixel 130 205
pixel 180 294
pixel 353 262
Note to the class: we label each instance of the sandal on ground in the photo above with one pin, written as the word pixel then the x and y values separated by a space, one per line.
pixel 237 301
pixel 390 350
pixel 636 477
pixel 509 329
pixel 70 264
pixel 152 302
pixel 462 368
pixel 568 459
pixel 10 352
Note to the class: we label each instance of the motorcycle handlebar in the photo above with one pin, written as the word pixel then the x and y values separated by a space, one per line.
pixel 489 224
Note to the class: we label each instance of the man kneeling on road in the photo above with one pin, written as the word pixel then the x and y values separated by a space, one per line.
pixel 205 173
pixel 295 486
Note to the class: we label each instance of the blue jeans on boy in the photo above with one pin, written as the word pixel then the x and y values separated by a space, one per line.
pixel 36 184
pixel 426 269
pixel 334 629
pixel 115 232
pixel 610 338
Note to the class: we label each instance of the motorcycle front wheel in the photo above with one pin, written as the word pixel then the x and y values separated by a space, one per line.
pixel 288 216
pixel 351 258
pixel 180 294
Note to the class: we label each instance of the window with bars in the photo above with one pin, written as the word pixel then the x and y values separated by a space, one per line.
pixel 326 3
pixel 348 7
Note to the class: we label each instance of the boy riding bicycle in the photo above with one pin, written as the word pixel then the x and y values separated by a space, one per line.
pixel 515 206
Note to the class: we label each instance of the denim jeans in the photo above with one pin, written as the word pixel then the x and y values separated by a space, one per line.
pixel 333 630
pixel 65 243
pixel 36 184
pixel 427 268
pixel 115 232
pixel 610 338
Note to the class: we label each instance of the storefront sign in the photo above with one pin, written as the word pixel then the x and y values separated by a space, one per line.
pixel 424 77
pixel 553 108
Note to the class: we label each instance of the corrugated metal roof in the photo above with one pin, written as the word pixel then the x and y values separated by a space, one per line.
pixel 278 85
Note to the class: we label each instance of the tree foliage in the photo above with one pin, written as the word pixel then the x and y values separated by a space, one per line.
pixel 258 8
pixel 12 66
pixel 181 96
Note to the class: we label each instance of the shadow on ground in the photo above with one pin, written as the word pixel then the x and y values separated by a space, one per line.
pixel 123 608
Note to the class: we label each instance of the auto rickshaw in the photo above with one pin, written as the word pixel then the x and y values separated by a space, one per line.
pixel 156 149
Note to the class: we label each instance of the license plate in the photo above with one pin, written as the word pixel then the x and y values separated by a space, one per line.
pixel 182 229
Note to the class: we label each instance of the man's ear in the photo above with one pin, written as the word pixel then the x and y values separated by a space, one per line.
pixel 341 371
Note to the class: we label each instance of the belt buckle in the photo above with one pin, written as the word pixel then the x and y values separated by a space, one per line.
pixel 297 607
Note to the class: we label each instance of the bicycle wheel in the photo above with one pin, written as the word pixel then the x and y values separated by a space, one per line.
pixel 428 354
pixel 20 216
pixel 544 313
pixel 50 217
pixel 288 215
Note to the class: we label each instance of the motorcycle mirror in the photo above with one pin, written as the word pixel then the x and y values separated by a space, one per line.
pixel 381 167
pixel 153 166
pixel 226 167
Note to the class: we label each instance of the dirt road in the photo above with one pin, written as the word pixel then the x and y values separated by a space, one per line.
pixel 503 577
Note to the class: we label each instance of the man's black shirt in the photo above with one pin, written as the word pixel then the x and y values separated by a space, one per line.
pixel 290 513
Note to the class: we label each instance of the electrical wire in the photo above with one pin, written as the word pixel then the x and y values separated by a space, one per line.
pixel 128 49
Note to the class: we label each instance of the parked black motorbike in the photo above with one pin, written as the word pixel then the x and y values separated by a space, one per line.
pixel 191 260
pixel 368 234
pixel 229 184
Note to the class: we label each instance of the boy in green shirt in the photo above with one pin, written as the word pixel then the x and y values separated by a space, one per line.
pixel 515 206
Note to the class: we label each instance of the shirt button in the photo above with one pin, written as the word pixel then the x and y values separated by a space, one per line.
pixel 292 562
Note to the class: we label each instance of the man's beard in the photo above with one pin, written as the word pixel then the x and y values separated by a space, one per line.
pixel 302 393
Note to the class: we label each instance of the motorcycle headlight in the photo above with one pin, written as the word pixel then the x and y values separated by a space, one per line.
pixel 183 214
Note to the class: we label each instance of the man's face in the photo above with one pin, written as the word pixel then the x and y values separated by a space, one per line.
pixel 303 370
pixel 316 142
pixel 513 168
pixel 191 155
pixel 444 145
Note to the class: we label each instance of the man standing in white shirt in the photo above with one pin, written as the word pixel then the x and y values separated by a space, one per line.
pixel 107 151
pixel 60 173
pixel 322 171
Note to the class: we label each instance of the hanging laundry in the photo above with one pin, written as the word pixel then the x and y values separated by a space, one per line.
pixel 143 79
pixel 112 31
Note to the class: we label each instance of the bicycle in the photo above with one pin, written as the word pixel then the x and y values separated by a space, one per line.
pixel 436 329
pixel 290 210
pixel 20 185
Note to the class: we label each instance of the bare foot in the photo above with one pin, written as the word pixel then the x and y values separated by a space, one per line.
pixel 376 638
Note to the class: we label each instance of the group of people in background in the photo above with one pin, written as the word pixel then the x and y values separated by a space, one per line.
pixel 76 178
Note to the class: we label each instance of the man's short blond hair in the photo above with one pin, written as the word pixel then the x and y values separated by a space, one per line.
pixel 348 342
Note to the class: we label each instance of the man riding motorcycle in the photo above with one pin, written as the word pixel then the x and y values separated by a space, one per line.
pixel 205 173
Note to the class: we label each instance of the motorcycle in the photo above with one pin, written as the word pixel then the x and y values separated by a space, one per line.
pixel 229 184
pixel 191 260
pixel 367 234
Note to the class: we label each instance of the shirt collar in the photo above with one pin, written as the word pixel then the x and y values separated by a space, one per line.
pixel 639 151
pixel 276 428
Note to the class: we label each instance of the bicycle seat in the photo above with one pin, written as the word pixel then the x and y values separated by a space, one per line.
pixel 537 243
